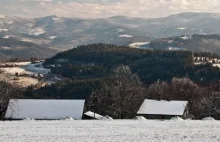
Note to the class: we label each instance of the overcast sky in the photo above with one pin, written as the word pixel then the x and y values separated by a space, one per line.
pixel 105 8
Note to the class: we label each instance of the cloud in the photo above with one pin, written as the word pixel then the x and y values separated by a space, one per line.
pixel 107 8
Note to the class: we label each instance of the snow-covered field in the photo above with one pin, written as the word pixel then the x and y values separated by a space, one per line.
pixel 110 131
pixel 126 36
pixel 3 30
pixel 51 37
pixel 37 31
pixel 14 70
pixel 216 65
pixel 181 28
pixel 24 67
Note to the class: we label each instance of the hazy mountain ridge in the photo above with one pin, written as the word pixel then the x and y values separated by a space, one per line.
pixel 13 48
pixel 65 33
pixel 198 43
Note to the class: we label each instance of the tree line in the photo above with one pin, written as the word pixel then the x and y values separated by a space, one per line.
pixel 121 94
pixel 115 80
pixel 99 60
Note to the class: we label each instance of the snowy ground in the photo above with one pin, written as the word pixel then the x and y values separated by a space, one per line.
pixel 138 44
pixel 26 67
pixel 22 81
pixel 110 131
pixel 216 65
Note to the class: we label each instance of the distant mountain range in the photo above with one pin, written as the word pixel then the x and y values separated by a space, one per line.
pixel 196 43
pixel 53 33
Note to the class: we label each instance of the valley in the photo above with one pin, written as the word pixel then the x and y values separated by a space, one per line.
pixel 24 74
pixel 109 70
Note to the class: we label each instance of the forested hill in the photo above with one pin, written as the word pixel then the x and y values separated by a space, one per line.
pixel 99 60
pixel 115 80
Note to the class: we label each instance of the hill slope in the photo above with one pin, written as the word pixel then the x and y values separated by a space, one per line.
pixel 65 33
pixel 98 60
pixel 198 43
pixel 11 48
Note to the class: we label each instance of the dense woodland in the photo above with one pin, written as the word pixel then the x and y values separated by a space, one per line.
pixel 115 80
pixel 99 60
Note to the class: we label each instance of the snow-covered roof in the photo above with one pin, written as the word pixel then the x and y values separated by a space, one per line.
pixel 44 109
pixel 163 107
pixel 91 114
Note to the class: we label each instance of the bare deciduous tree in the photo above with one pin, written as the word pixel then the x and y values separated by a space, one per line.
pixel 160 91
pixel 121 97
pixel 199 98
pixel 185 89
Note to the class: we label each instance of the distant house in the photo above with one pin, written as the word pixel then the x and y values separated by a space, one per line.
pixel 92 115
pixel 154 109
pixel 44 109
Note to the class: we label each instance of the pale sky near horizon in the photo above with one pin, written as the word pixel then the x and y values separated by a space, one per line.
pixel 105 8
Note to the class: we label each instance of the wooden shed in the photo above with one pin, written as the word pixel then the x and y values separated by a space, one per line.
pixel 162 109
pixel 19 109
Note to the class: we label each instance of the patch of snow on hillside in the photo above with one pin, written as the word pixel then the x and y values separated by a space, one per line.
pixel 202 33
pixel 26 40
pixel 216 16
pixel 185 37
pixel 22 63
pixel 56 19
pixel 51 37
pixel 6 48
pixel 155 23
pixel 174 48
pixel 2 16
pixel 30 24
pixel 138 44
pixel 7 36
pixel 37 31
pixel 126 36
pixel 216 65
pixel 170 41
pixel 181 28
pixel 120 30
pixel 9 22
pixel 3 30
